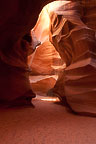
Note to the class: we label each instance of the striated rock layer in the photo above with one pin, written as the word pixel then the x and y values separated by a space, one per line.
pixel 73 33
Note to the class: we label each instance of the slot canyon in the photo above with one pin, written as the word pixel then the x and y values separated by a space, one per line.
pixel 47 72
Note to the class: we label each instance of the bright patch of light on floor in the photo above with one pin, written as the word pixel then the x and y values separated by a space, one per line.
pixel 50 99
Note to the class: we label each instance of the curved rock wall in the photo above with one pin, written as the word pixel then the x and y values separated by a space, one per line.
pixel 73 32
pixel 17 18
pixel 45 60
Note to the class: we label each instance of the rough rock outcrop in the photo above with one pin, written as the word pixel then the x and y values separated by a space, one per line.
pixel 73 33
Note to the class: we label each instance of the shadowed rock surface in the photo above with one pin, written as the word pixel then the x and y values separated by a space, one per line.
pixel 17 18
pixel 73 35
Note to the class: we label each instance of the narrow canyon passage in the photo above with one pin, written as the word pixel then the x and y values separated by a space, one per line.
pixel 68 43
pixel 61 70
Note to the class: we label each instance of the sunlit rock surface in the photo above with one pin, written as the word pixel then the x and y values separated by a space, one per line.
pixel 44 60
